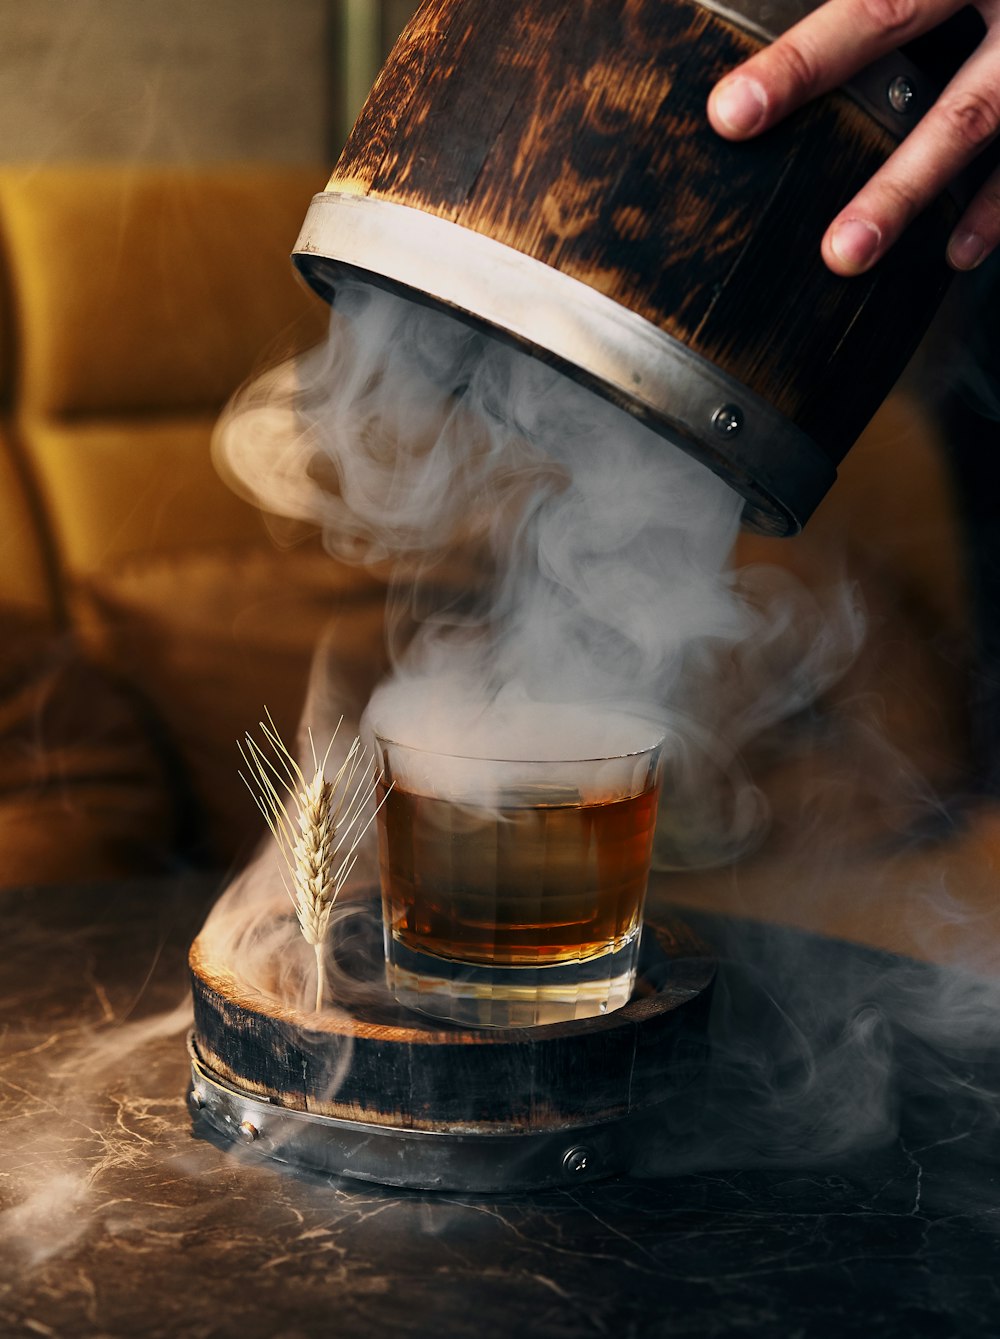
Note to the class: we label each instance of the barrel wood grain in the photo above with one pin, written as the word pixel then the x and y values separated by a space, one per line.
pixel 377 1063
pixel 575 132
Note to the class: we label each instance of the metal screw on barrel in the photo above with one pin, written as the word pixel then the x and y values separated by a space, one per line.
pixel 728 420
pixel 902 95
pixel 550 216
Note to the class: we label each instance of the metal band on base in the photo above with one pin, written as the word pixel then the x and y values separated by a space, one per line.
pixel 409 1159
pixel 780 472
pixel 372 1091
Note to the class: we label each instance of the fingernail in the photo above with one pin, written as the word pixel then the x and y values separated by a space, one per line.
pixel 855 243
pixel 966 250
pixel 739 104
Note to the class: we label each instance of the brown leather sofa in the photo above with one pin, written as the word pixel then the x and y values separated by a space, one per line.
pixel 147 614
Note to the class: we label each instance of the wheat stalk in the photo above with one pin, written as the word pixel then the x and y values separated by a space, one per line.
pixel 319 838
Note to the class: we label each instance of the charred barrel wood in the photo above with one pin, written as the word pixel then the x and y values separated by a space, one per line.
pixel 575 135
pixel 383 1065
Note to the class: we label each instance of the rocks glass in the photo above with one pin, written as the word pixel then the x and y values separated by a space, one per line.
pixel 513 888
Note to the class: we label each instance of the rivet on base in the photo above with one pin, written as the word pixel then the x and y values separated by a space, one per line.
pixel 578 1160
pixel 248 1131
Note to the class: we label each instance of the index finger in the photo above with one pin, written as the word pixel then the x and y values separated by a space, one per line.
pixel 814 56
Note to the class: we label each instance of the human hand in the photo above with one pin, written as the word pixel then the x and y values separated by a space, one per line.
pixel 823 51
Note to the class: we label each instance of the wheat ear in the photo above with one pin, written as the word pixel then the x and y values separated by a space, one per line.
pixel 318 824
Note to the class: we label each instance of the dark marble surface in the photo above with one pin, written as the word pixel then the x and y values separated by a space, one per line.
pixel 765 1216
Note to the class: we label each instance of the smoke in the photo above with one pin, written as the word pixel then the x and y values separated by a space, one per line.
pixel 558 572
pixel 79 1121
pixel 961 358
pixel 560 580
pixel 557 569
pixel 595 556
pixel 821 1051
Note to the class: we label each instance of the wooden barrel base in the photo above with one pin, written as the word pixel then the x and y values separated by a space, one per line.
pixel 372 1091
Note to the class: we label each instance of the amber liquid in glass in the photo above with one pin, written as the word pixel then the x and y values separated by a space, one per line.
pixel 542 879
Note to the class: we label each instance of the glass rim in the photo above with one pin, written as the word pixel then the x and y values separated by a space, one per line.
pixel 537 762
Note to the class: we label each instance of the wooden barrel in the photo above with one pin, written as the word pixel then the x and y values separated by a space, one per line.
pixel 371 1090
pixel 545 168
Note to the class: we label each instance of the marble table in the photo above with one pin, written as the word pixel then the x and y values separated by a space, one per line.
pixel 841 1175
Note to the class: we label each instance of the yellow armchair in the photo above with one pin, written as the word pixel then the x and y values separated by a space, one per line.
pixel 135 302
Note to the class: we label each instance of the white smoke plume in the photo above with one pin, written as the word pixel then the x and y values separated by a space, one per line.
pixel 595 554
pixel 555 565
pixel 559 578
pixel 594 574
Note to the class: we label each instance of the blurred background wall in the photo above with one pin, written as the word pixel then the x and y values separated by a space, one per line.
pixel 157 158
pixel 187 81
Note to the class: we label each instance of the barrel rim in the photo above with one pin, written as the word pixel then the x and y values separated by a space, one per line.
pixel 781 473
